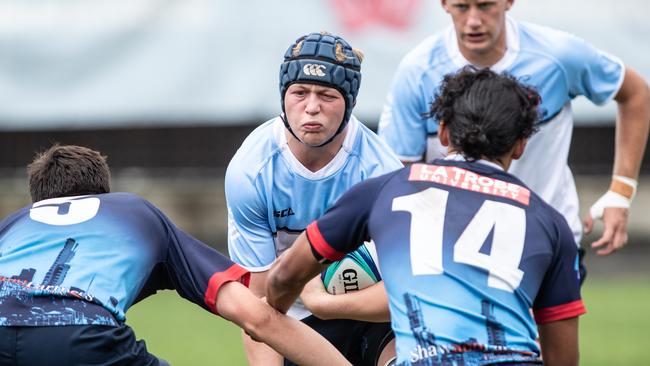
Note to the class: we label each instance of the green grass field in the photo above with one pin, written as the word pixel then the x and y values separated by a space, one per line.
pixel 613 332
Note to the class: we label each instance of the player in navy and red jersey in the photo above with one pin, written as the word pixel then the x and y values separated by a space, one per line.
pixel 73 262
pixel 465 249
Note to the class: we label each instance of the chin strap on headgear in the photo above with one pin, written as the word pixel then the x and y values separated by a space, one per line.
pixel 322 59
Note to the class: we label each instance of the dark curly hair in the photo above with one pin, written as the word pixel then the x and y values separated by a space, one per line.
pixel 67 170
pixel 486 113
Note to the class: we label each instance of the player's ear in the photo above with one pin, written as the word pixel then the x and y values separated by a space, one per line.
pixel 519 148
pixel 443 134
pixel 509 4
pixel 443 3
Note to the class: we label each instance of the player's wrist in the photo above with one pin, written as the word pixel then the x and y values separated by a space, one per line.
pixel 624 186
pixel 620 194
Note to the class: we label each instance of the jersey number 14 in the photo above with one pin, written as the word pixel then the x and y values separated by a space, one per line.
pixel 428 208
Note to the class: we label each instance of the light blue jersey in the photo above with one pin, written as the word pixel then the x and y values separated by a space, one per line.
pixel 559 65
pixel 87 259
pixel 272 197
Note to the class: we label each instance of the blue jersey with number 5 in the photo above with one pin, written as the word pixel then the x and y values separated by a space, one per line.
pixel 465 250
pixel 87 259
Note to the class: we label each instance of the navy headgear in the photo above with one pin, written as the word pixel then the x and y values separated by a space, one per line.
pixel 317 61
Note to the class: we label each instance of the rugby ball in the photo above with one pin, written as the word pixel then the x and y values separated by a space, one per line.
pixel 356 271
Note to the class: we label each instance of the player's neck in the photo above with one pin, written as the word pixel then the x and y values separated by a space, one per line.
pixel 315 158
pixel 503 161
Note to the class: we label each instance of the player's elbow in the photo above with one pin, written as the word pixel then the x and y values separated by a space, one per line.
pixel 634 92
pixel 279 278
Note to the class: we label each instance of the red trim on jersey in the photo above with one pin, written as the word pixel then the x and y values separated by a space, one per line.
pixel 233 273
pixel 560 312
pixel 319 244
pixel 464 179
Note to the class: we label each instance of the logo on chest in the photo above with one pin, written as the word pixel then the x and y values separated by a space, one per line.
pixel 283 213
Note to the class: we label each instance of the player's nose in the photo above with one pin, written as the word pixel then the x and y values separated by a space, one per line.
pixel 312 104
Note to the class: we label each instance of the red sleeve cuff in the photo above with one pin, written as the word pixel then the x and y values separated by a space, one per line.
pixel 319 244
pixel 233 273
pixel 560 312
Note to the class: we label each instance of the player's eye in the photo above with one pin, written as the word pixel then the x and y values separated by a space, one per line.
pixel 329 97
pixel 461 7
pixel 485 6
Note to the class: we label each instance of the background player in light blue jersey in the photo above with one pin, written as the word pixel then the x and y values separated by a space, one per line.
pixel 292 168
pixel 465 249
pixel 561 67
pixel 75 261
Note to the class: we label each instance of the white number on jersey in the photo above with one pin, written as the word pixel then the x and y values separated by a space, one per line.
pixel 428 208
pixel 79 209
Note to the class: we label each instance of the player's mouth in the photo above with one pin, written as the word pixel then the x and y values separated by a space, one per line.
pixel 312 126
pixel 475 37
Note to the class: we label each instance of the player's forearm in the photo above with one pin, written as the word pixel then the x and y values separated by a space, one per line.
pixel 280 332
pixel 260 354
pixel 301 344
pixel 282 291
pixel 632 126
pixel 289 274
pixel 369 304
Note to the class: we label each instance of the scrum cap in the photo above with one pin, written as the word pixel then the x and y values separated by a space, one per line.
pixel 323 59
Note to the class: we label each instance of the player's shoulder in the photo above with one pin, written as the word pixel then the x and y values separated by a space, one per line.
pixel 371 151
pixel 549 219
pixel 127 200
pixel 543 218
pixel 559 45
pixel 125 204
pixel 13 218
pixel 382 184
pixel 257 150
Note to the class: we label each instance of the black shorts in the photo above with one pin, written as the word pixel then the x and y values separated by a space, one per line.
pixel 95 345
pixel 360 342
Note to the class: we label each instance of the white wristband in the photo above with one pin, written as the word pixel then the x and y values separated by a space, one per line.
pixel 609 199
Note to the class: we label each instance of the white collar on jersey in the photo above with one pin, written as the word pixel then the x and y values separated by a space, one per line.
pixel 459 157
pixel 512 47
pixel 332 167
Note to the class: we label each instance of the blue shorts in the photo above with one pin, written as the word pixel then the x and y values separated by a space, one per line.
pixel 360 342
pixel 73 345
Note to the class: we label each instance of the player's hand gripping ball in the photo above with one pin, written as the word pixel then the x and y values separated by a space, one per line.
pixel 356 271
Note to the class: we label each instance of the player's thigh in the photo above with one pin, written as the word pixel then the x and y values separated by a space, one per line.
pixel 360 342
pixel 344 334
pixel 388 355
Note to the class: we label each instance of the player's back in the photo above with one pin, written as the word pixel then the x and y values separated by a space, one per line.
pixel 466 250
pixel 63 256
